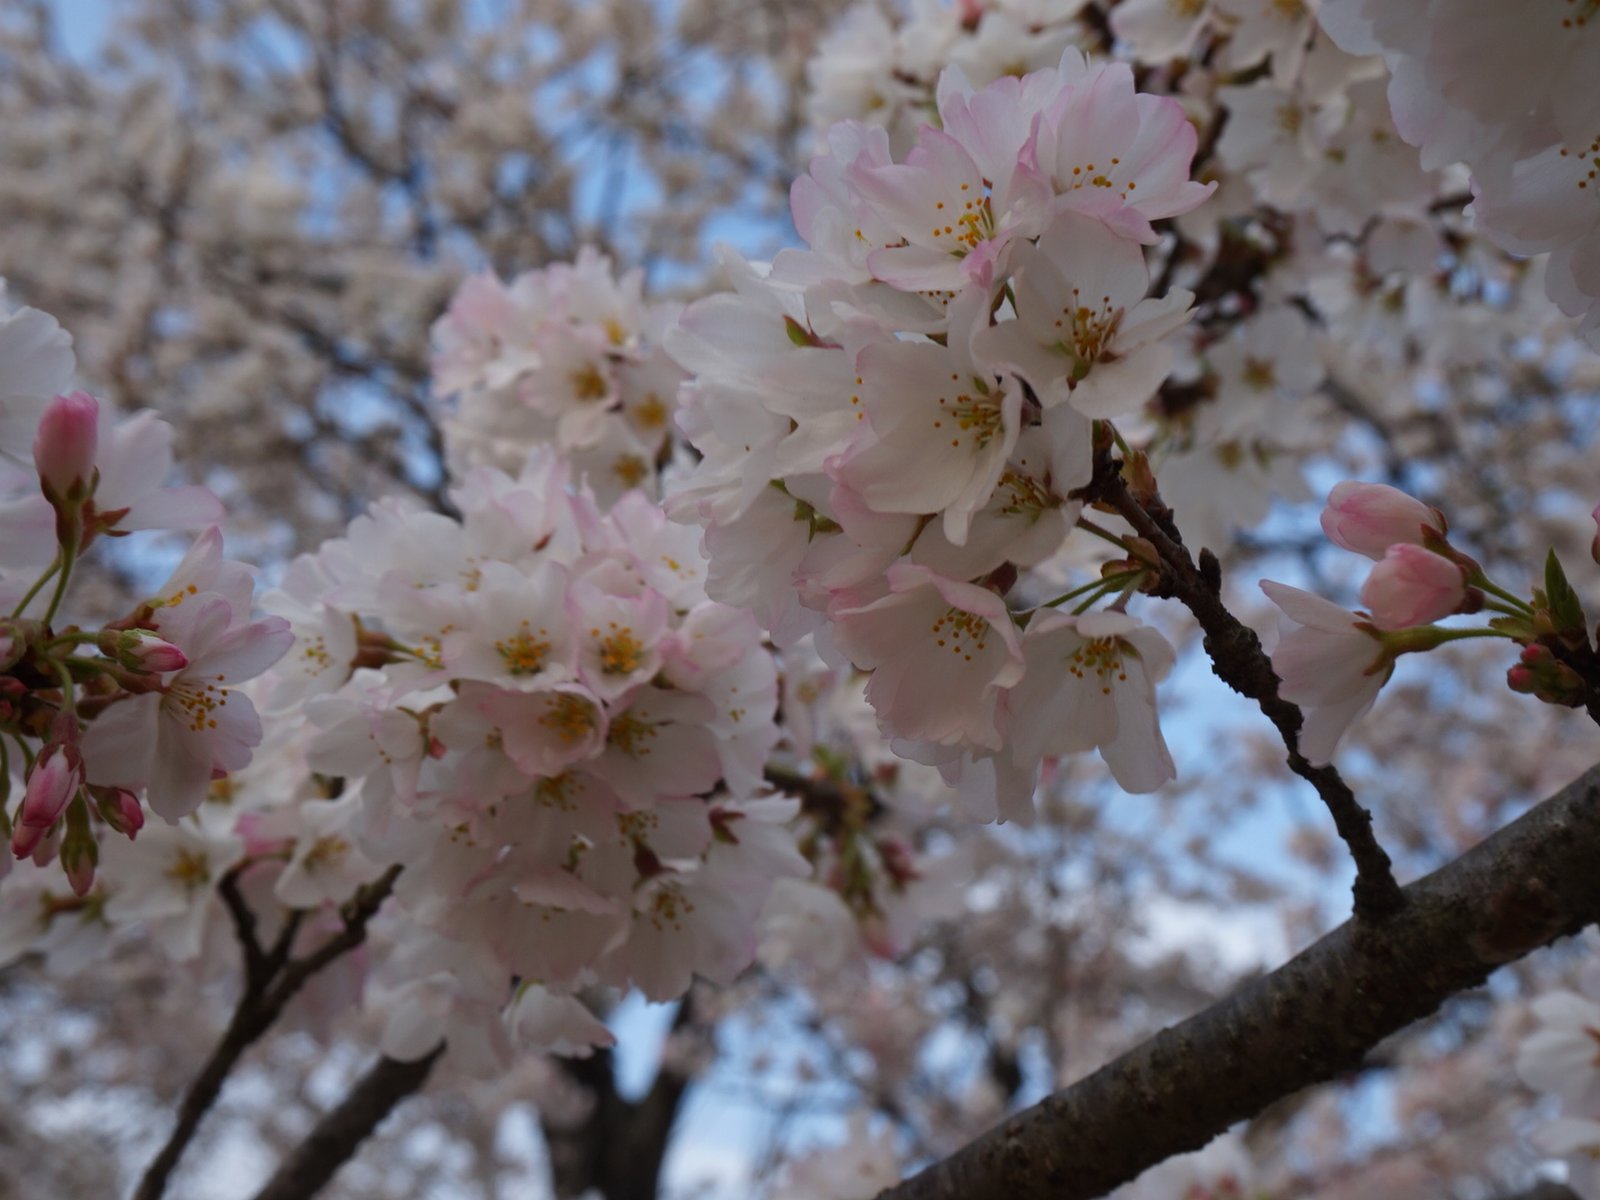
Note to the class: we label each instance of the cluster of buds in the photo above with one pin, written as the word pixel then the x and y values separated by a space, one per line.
pixel 95 722
pixel 1333 662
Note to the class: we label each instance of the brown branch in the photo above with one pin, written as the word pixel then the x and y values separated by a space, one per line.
pixel 1545 1190
pixel 1309 1021
pixel 272 979
pixel 617 1150
pixel 341 1131
pixel 1241 663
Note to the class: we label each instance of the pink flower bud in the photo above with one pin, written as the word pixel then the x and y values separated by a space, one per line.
pixel 64 448
pixel 1368 518
pixel 141 650
pixel 1412 586
pixel 120 809
pixel 1594 545
pixel 56 776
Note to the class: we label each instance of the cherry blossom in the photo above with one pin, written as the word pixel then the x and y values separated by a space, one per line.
pixel 1329 662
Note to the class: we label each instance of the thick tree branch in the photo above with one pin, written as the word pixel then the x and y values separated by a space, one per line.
pixel 619 1147
pixel 272 979
pixel 1241 663
pixel 1310 1020
pixel 341 1131
pixel 1546 1190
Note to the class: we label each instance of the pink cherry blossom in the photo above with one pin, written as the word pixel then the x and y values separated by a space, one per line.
pixel 940 652
pixel 1327 663
pixel 196 725
pixel 1090 684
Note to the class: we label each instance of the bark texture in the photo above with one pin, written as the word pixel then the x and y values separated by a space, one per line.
pixel 1313 1018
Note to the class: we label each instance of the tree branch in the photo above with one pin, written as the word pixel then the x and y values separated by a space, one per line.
pixel 1241 663
pixel 1545 1190
pixel 1310 1020
pixel 341 1131
pixel 272 979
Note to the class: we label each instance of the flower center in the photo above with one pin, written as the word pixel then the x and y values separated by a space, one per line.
pixel 964 634
pixel 1102 658
pixel 524 652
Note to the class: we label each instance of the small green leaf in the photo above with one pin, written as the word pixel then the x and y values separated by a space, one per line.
pixel 1565 607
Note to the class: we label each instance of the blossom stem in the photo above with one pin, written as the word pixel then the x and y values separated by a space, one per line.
pixel 69 700
pixel 1100 531
pixel 67 555
pixel 1518 607
pixel 1107 586
pixel 1089 587
pixel 38 584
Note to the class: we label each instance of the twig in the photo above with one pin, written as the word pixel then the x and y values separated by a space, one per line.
pixel 272 979
pixel 341 1131
pixel 1313 1019
pixel 1241 663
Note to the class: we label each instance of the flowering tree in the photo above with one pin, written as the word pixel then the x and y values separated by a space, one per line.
pixel 739 639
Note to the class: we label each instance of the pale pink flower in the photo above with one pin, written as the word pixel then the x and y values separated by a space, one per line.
pixel 1368 518
pixel 134 461
pixel 1119 154
pixel 1085 329
pixel 327 864
pixel 544 1020
pixel 175 740
pixel 941 426
pixel 1413 586
pixel 167 882
pixel 1090 684
pixel 1562 1056
pixel 1328 663
pixel 36 363
pixel 940 652
pixel 1576 1142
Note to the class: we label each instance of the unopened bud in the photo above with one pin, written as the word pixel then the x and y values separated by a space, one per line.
pixel 120 809
pixel 80 854
pixel 1541 675
pixel 64 448
pixel 1412 586
pixel 54 780
pixel 141 650
pixel 1368 518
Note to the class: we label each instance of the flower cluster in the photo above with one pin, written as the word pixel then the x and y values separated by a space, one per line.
pixel 535 712
pixel 893 421
pixel 1509 90
pixel 568 355
pixel 1333 662
pixel 145 709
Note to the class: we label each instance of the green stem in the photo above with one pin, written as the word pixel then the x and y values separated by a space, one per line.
pixel 1108 585
pixel 1520 611
pixel 1120 577
pixel 68 554
pixel 37 585
pixel 1100 531
pixel 69 701
pixel 1520 607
